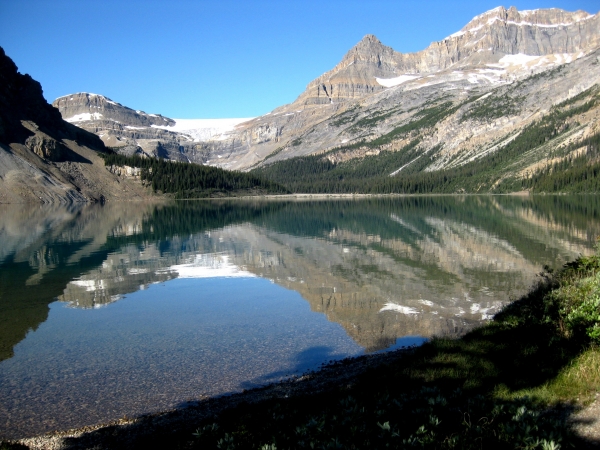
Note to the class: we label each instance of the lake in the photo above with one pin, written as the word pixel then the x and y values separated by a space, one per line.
pixel 120 310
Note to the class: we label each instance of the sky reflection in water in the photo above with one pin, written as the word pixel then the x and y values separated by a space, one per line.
pixel 173 342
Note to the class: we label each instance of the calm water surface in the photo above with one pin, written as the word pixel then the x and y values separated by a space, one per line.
pixel 128 309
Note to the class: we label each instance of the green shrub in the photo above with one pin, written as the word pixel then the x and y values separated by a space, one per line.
pixel 579 306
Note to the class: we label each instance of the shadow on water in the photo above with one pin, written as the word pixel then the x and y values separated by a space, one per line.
pixel 308 359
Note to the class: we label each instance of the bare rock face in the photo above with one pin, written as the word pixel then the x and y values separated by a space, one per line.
pixel 22 104
pixel 21 98
pixel 497 32
pixel 46 147
pixel 118 126
pixel 123 129
pixel 511 32
pixel 354 76
pixel 93 107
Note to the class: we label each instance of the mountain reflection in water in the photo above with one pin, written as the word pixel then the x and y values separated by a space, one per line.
pixel 381 268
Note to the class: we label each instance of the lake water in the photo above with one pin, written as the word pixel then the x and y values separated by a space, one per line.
pixel 121 310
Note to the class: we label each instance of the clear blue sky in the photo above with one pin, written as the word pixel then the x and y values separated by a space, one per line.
pixel 214 59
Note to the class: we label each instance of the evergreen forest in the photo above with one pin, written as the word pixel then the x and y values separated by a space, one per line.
pixel 185 180
pixel 571 168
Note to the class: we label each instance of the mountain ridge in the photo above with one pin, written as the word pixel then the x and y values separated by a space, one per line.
pixel 441 55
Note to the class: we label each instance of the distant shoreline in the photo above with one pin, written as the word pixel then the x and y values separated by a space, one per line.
pixel 361 196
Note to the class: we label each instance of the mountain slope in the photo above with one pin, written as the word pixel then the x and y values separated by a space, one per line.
pixel 45 159
pixel 497 48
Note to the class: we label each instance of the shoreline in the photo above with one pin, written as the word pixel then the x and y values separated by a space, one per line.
pixel 165 199
pixel 300 196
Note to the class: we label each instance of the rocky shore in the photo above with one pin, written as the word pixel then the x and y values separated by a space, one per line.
pixel 181 423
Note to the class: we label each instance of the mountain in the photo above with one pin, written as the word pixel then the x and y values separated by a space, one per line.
pixel 77 107
pixel 120 127
pixel 369 66
pixel 45 159
pixel 478 96
pixel 495 51
pixel 132 132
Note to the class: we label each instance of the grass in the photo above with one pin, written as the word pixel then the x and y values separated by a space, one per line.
pixel 579 381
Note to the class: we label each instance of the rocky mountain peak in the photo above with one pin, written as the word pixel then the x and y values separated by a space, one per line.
pixel 370 51
pixel 552 17
pixel 484 40
pixel 368 44
pixel 84 106
pixel 354 76
pixel 487 38
pixel 371 38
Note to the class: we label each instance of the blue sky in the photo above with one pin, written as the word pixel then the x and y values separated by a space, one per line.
pixel 215 59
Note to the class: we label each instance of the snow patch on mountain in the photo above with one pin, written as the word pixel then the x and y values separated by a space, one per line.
pixel 83 117
pixel 390 82
pixel 532 61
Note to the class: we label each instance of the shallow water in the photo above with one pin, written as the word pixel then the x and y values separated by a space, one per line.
pixel 173 342
pixel 123 310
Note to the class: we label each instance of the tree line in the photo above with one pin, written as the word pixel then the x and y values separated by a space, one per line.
pixel 188 180
pixel 494 172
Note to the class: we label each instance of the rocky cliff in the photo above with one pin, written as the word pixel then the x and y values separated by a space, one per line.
pixel 121 128
pixel 76 108
pixel 21 99
pixel 129 131
pixel 42 157
pixel 496 33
